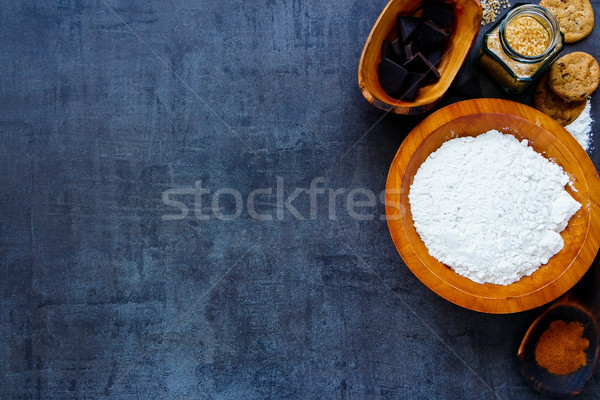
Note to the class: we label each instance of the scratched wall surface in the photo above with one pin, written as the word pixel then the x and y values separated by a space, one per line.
pixel 109 105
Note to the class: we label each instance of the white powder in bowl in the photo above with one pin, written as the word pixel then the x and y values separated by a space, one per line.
pixel 581 128
pixel 490 207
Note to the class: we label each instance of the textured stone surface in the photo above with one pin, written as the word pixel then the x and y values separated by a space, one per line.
pixel 105 104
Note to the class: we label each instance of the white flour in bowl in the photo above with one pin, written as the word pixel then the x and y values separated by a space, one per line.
pixel 490 207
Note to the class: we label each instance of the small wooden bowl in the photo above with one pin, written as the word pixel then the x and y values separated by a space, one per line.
pixel 581 237
pixel 464 30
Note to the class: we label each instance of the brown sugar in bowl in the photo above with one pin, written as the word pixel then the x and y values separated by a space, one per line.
pixel 464 30
pixel 581 236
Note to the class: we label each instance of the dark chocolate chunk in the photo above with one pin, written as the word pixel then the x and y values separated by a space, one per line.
pixel 409 60
pixel 412 85
pixel 407 26
pixel 441 14
pixel 416 64
pixel 390 50
pixel 434 56
pixel 387 51
pixel 420 64
pixel 430 36
pixel 410 49
pixel 430 79
pixel 391 76
pixel 398 48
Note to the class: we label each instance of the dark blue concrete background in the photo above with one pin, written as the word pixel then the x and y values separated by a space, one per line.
pixel 105 104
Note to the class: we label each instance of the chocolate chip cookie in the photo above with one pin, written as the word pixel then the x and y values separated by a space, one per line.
pixel 575 17
pixel 545 100
pixel 575 76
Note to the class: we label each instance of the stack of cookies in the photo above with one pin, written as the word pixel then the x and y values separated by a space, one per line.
pixel 563 92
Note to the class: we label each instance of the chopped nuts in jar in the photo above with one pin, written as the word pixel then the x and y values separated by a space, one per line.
pixel 521 46
pixel 521 70
pixel 527 36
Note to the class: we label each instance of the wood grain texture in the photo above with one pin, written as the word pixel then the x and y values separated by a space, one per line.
pixel 470 118
pixel 465 27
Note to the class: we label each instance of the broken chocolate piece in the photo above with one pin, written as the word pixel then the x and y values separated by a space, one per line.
pixel 391 76
pixel 407 26
pixel 434 56
pixel 412 84
pixel 398 48
pixel 390 50
pixel 441 14
pixel 430 36
pixel 409 61
pixel 410 49
pixel 386 50
pixel 421 65
pixel 417 64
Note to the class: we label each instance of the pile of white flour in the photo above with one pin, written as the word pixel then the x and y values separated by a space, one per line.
pixel 490 207
pixel 581 128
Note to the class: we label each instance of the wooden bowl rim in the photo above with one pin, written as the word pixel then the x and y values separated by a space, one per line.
pixel 509 304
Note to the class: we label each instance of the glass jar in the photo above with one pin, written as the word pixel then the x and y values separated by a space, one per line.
pixel 512 70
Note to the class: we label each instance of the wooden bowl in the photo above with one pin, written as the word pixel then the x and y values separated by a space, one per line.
pixel 464 30
pixel 581 237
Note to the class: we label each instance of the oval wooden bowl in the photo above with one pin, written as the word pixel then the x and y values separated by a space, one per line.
pixel 470 118
pixel 464 30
